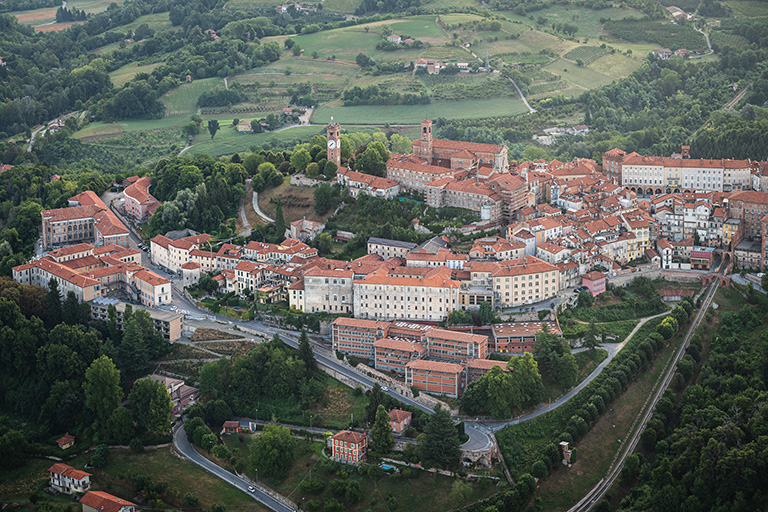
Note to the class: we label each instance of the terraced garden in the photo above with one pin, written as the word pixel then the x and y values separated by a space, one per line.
pixel 586 54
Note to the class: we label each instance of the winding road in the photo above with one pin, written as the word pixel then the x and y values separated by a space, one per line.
pixel 260 494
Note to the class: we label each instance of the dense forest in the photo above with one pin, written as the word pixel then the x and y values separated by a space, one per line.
pixel 709 449
pixel 63 372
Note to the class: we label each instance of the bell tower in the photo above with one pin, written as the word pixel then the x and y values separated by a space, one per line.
pixel 333 133
pixel 426 140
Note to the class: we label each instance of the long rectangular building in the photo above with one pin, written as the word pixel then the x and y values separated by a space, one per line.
pixel 519 337
pixel 87 219
pixel 436 377
pixel 392 355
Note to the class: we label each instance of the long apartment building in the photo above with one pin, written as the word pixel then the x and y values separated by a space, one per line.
pixel 431 296
pixel 435 377
pixel 87 219
pixel 172 254
pixel 679 173
pixel 518 338
pixel 93 272
pixel 525 280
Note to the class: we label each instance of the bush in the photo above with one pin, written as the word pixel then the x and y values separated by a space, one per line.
pixel 338 487
pixel 313 486
pixel 648 439
pixel 191 500
pixel 539 469
pixel 136 445
pixel 313 505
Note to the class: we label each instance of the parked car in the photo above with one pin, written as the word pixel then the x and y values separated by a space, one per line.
pixel 251 488
pixel 384 388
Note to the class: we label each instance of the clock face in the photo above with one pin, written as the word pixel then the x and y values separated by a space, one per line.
pixel 331 144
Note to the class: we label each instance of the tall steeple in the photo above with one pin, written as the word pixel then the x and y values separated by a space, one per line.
pixel 333 133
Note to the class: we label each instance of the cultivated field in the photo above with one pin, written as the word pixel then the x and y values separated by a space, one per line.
pixel 586 54
pixel 588 20
pixel 413 114
pixel 57 27
pixel 748 8
pixel 342 6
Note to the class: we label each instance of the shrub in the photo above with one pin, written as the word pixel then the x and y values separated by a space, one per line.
pixel 539 469
pixel 338 487
pixel 313 486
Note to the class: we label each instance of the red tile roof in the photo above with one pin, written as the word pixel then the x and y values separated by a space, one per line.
pixel 348 436
pixel 65 470
pixel 435 366
pixel 104 502
pixel 403 346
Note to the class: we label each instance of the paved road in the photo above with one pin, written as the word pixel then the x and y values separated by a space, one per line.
pixel 531 110
pixel 613 350
pixel 182 444
pixel 258 211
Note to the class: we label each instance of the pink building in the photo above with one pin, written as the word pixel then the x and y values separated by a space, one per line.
pixel 595 282
pixel 399 420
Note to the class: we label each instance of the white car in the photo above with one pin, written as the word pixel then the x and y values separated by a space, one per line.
pixel 174 308
pixel 384 388
pixel 251 488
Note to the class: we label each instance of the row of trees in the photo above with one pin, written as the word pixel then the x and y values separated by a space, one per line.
pixel 708 446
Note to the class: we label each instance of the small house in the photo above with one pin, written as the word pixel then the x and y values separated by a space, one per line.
pixel 394 39
pixel 662 53
pixel 238 427
pixel 98 501
pixel 66 441
pixel 400 420
pixel 243 126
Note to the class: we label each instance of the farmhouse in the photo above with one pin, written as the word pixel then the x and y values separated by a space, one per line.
pixel 69 480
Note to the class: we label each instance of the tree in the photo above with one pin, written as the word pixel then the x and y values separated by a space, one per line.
pixel 323 199
pixel 460 492
pixel 323 243
pixel 300 159
pixel 376 398
pixel 102 388
pixel 764 282
pixel 213 127
pixel 591 338
pixel 539 469
pixel 441 441
pixel 329 170
pixel 273 451
pixel 486 314
pixel 313 171
pixel 70 309
pixel 305 354
pixel 99 459
pixel 279 221
pixel 120 425
pixel 527 387
pixel 586 300
pixel 382 439
pixel 498 391
pixel 151 406
pixel 12 447
pixel 53 304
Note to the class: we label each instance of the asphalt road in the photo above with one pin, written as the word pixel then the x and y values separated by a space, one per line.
pixel 182 444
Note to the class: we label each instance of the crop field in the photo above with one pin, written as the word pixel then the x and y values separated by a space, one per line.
pixel 253 3
pixel 586 54
pixel 37 17
pixel 454 19
pixel 724 39
pixel 664 34
pixel 748 8
pixel 228 140
pixel 464 86
pixel 452 4
pixel 98 130
pixel 529 41
pixel 412 114
pixel 124 74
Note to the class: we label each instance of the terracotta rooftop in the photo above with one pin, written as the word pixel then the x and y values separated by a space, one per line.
pixel 104 502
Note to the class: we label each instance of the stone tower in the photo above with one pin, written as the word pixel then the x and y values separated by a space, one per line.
pixel 333 132
pixel 426 140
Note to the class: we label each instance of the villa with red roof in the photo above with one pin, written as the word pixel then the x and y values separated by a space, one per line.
pixel 69 480
pixel 400 420
pixel 348 447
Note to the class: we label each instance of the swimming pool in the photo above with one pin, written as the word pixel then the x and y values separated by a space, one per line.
pixel 387 467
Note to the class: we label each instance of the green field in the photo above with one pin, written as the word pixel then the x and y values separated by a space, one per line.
pixel 45 15
pixel 413 114
pixel 156 22
pixel 228 140
pixel 344 43
pixel 182 101
pixel 124 74
pixel 588 20
pixel 724 39
pixel 422 28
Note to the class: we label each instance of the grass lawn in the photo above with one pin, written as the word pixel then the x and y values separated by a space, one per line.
pixel 453 19
pixel 615 65
pixel 729 299
pixel 99 129
pixel 124 74
pixel 20 483
pixel 423 28
pixel 413 114
pixel 342 403
pixel 344 43
pixel 588 20
pixel 578 75
pixel 564 487
pixel 183 99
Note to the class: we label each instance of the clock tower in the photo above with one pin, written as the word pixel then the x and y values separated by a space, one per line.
pixel 333 132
